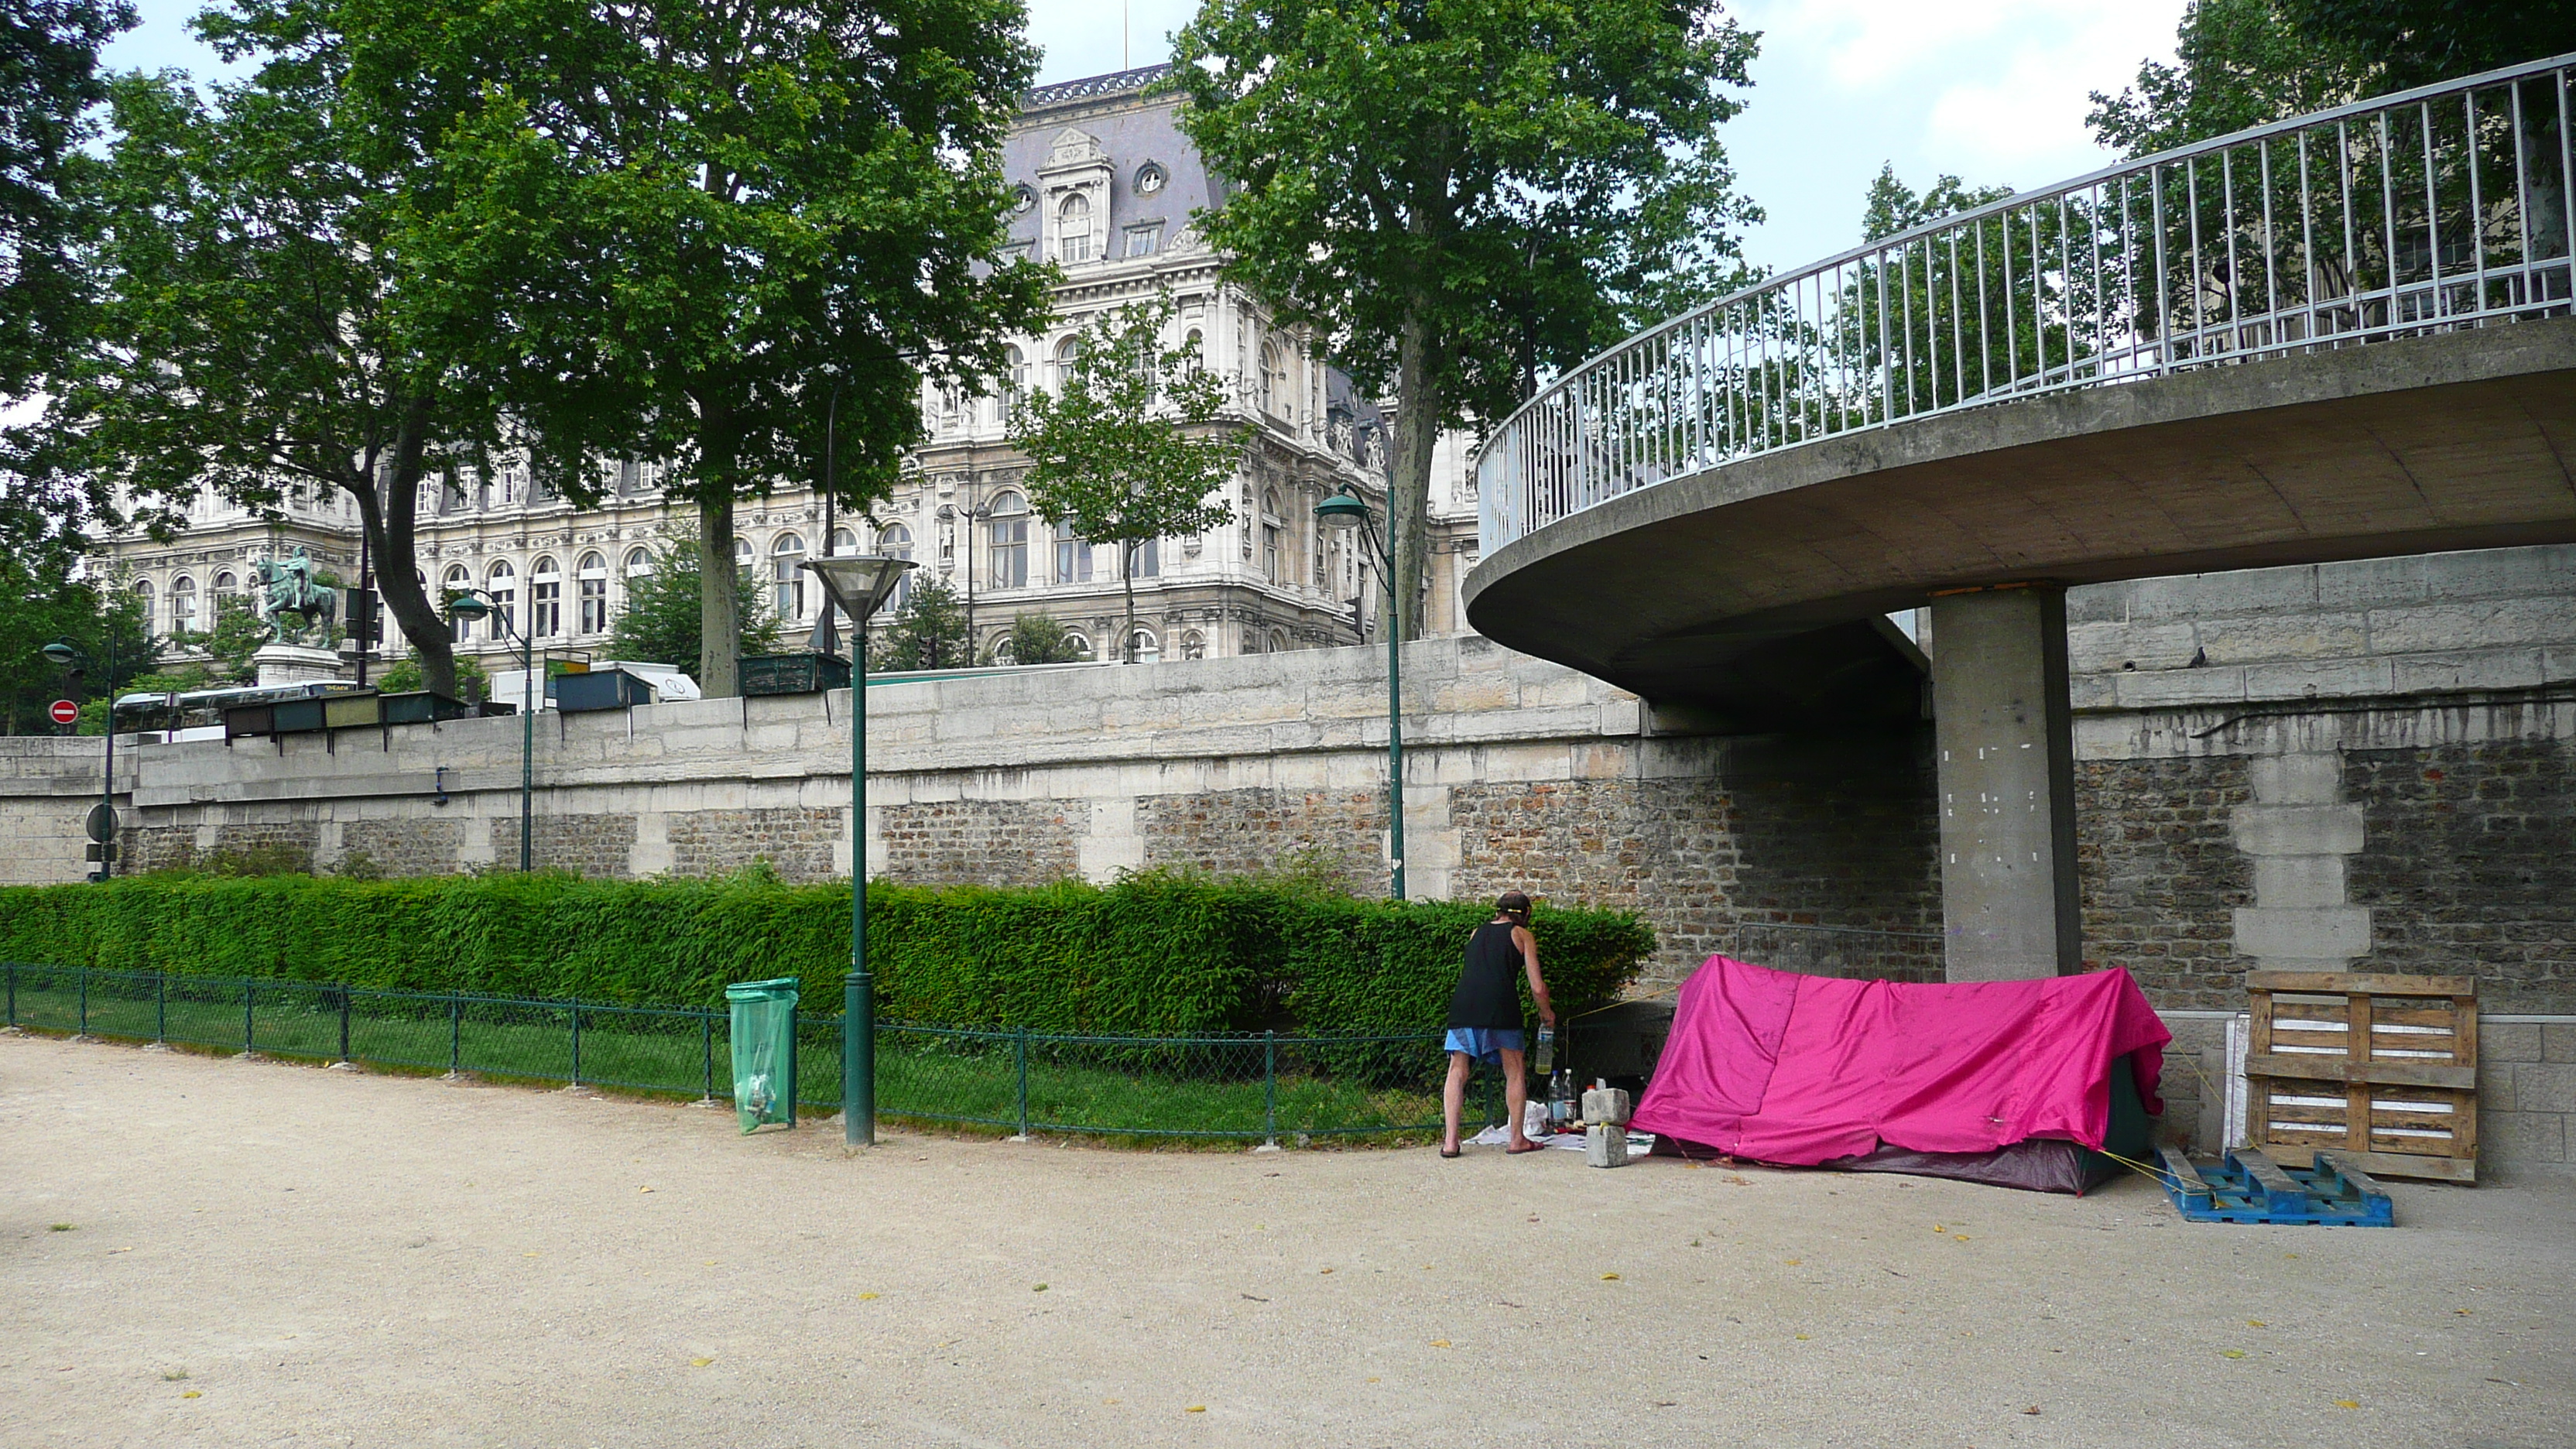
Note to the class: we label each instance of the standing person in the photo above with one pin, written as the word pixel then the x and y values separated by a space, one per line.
pixel 1485 1016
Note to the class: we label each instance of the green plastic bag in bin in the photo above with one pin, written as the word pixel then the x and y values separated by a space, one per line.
pixel 764 1051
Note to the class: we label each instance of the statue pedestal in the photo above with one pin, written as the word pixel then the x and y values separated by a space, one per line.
pixel 280 664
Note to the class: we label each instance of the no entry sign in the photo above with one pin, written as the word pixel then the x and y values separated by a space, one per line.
pixel 64 711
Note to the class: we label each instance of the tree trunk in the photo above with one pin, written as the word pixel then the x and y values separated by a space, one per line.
pixel 392 524
pixel 719 597
pixel 1127 580
pixel 1417 430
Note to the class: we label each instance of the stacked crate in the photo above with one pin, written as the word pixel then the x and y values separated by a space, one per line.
pixel 2382 1071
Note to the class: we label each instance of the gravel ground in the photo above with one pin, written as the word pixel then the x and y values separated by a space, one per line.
pixel 261 1253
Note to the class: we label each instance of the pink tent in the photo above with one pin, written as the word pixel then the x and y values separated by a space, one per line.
pixel 1993 1081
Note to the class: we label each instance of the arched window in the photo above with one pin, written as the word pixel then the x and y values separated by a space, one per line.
pixel 1003 652
pixel 1073 228
pixel 639 561
pixel 787 575
pixel 1080 643
pixel 1194 645
pixel 1268 383
pixel 1278 641
pixel 1017 364
pixel 458 580
pixel 742 552
pixel 502 583
pixel 1072 556
pixel 895 541
pixel 1196 346
pixel 1009 538
pixel 545 598
pixel 225 588
pixel 1273 538
pixel 143 605
pixel 183 605
pixel 1065 353
pixel 594 594
pixel 844 541
pixel 1142 647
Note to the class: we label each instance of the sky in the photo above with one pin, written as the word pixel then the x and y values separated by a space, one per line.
pixel 1991 91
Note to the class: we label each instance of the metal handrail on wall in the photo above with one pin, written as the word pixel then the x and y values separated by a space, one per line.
pixel 2441 208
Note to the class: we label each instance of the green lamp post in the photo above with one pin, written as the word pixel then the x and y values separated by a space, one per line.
pixel 859 585
pixel 1347 510
pixel 470 605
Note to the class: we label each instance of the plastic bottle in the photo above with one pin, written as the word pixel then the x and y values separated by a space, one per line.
pixel 1546 1051
pixel 1560 1100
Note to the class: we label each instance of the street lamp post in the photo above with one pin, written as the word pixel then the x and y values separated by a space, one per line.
pixel 1347 510
pixel 473 604
pixel 858 585
pixel 69 657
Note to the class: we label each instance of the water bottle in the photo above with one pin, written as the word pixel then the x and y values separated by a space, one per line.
pixel 1560 1101
pixel 1546 1051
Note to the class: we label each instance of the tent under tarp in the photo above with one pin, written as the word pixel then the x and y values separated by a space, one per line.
pixel 2016 1083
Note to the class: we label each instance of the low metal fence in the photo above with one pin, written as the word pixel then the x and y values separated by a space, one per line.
pixel 1248 1086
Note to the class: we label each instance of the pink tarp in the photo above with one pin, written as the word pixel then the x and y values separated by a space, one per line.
pixel 1796 1069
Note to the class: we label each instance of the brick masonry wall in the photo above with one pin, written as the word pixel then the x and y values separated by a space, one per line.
pixel 403 847
pixel 958 842
pixel 1333 833
pixel 2469 858
pixel 2161 877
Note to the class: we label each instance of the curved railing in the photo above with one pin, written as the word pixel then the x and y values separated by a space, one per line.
pixel 2446 207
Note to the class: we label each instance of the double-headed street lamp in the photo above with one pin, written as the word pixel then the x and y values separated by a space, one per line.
pixel 1346 510
pixel 858 586
pixel 69 658
pixel 473 604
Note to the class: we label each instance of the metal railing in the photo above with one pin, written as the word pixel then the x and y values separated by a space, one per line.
pixel 2441 208
pixel 1247 1086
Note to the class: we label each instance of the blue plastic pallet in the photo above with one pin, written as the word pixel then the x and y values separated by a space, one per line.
pixel 2248 1187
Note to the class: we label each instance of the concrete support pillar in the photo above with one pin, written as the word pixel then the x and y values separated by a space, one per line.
pixel 2007 762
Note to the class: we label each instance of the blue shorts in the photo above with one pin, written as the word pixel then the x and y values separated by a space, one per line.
pixel 1485 1043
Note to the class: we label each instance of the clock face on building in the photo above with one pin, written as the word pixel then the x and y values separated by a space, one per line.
pixel 1149 179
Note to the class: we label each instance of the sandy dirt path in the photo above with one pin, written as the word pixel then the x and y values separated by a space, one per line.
pixel 340 1258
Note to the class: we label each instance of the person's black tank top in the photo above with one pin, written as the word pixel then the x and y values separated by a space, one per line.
pixel 1486 996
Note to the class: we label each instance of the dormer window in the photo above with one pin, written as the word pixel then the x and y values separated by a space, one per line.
pixel 1150 178
pixel 1144 241
pixel 1022 199
pixel 1073 229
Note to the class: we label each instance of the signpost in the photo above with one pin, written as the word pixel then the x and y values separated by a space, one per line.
pixel 64 712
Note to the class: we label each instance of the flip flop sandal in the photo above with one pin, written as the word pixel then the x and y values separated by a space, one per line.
pixel 1448 1151
pixel 1532 1147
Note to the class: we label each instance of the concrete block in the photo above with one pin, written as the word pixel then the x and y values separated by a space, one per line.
pixel 2544 1087
pixel 2297 829
pixel 2317 679
pixel 2299 881
pixel 2372 581
pixel 2253 638
pixel 2320 934
pixel 2176 688
pixel 2109 647
pixel 1605 1146
pixel 2557 1043
pixel 2495 1082
pixel 2547 619
pixel 2484 669
pixel 2300 779
pixel 1609 1105
pixel 2526 1140
pixel 2509 1041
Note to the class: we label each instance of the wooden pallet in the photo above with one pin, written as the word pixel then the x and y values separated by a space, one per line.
pixel 2380 1070
pixel 2248 1187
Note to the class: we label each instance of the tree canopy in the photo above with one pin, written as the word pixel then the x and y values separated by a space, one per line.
pixel 1461 196
pixel 662 228
pixel 927 632
pixel 1037 639
pixel 662 617
pixel 1125 452
pixel 50 87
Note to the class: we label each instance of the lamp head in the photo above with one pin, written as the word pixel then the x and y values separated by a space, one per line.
pixel 860 583
pixel 62 654
pixel 467 606
pixel 1342 510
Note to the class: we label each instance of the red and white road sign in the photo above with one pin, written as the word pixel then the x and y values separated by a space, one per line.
pixel 64 711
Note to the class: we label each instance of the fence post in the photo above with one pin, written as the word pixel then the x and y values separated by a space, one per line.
pixel 1020 1051
pixel 13 993
pixel 575 1009
pixel 792 1068
pixel 161 1007
pixel 455 1034
pixel 1270 1089
pixel 707 1042
pixel 247 1038
pixel 344 1023
pixel 84 1001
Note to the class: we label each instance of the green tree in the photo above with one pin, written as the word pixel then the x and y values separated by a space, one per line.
pixel 1461 196
pixel 251 274
pixel 1037 639
pixel 50 87
pixel 2241 63
pixel 1127 452
pixel 662 619
pixel 928 632
pixel 472 684
pixel 44 603
pixel 666 225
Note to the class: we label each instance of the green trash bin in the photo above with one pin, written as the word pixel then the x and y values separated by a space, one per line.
pixel 764 1051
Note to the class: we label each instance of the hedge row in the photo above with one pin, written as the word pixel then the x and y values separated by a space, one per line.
pixel 1154 954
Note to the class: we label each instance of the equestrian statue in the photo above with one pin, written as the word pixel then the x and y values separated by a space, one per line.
pixel 292 600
